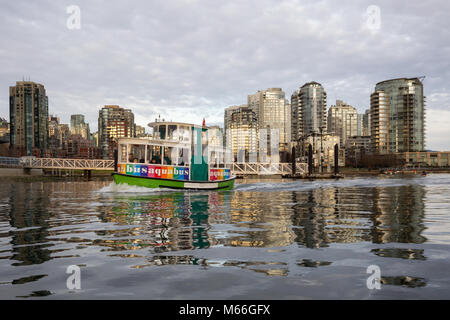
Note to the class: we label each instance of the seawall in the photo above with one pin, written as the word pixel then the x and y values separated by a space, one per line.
pixel 19 172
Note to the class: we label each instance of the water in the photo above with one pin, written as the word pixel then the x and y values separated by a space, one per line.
pixel 266 239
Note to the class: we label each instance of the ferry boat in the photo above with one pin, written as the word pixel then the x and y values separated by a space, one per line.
pixel 177 156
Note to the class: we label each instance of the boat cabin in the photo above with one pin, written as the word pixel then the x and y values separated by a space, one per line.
pixel 174 151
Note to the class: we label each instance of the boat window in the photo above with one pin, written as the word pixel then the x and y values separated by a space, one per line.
pixel 154 154
pixel 183 156
pixel 205 145
pixel 217 159
pixel 162 132
pixel 184 132
pixel 137 153
pixel 228 157
pixel 213 160
pixel 122 153
pixel 172 132
pixel 170 156
pixel 221 160
pixel 155 130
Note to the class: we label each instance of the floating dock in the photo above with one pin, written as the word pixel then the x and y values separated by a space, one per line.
pixel 314 176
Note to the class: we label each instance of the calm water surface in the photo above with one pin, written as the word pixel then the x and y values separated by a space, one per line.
pixel 266 239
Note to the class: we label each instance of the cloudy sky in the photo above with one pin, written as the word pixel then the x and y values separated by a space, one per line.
pixel 189 59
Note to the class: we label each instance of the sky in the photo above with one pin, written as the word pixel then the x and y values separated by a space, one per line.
pixel 189 59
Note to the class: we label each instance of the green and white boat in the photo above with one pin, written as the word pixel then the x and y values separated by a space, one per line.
pixel 177 156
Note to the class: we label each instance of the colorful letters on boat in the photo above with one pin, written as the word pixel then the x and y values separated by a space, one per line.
pixel 169 172
pixel 219 174
pixel 152 171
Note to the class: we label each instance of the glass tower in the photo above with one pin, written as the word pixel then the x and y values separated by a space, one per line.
pixel 397 116
pixel 308 110
pixel 242 135
pixel 114 122
pixel 272 111
pixel 79 126
pixel 343 121
pixel 28 109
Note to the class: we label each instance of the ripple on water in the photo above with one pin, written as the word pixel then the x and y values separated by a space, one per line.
pixel 256 231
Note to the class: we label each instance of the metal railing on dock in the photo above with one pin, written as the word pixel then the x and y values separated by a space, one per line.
pixel 244 169
pixel 68 164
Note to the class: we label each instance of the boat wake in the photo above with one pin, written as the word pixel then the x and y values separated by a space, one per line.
pixel 359 182
pixel 125 188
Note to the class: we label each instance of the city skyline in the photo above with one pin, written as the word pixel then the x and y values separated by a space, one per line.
pixel 218 54
pixel 305 102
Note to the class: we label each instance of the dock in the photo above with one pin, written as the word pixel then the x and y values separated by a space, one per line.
pixel 314 176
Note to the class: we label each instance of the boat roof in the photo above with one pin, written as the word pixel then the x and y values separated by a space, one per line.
pixel 151 140
pixel 153 124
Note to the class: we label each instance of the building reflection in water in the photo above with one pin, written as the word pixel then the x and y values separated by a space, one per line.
pixel 398 214
pixel 378 215
pixel 183 221
pixel 164 222
pixel 313 218
pixel 265 220
pixel 28 212
pixel 175 221
pixel 34 210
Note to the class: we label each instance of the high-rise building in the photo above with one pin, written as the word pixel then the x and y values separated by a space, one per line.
pixel 227 119
pixel 54 137
pixel 140 131
pixel 4 131
pixel 77 147
pixel 95 139
pixel 215 136
pixel 114 122
pixel 342 121
pixel 308 110
pixel 227 113
pixel 28 109
pixel 64 131
pixel 360 124
pixel 366 123
pixel 273 115
pixel 242 135
pixel 397 116
pixel 296 116
pixel 79 126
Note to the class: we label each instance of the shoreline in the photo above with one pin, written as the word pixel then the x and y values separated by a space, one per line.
pixel 108 177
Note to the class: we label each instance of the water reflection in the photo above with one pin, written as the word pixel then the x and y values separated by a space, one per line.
pixel 39 222
pixel 28 279
pixel 406 281
pixel 163 260
pixel 168 222
pixel 398 214
pixel 269 268
pixel 312 264
pixel 378 215
pixel 315 218
pixel 409 254
pixel 29 215
pixel 38 212
pixel 36 294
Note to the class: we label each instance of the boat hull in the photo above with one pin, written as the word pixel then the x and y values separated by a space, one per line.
pixel 173 184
